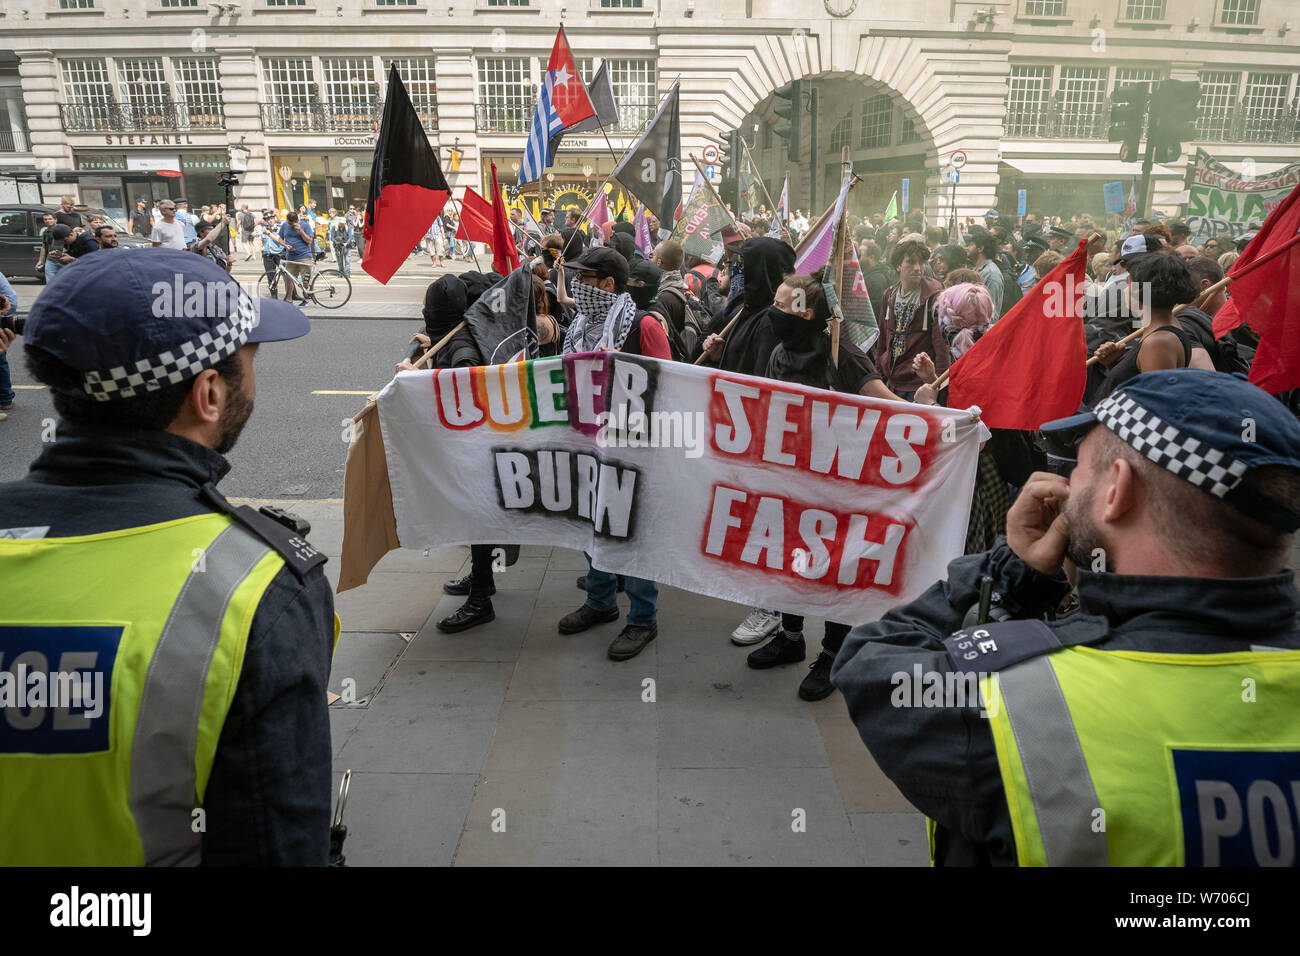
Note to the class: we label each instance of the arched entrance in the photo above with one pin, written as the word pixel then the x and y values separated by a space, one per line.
pixel 887 139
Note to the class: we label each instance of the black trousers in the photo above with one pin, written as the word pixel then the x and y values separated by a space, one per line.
pixel 480 570
pixel 831 642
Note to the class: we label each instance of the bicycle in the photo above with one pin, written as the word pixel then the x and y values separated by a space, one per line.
pixel 328 288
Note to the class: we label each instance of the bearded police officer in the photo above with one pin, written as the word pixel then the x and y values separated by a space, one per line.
pixel 163 655
pixel 1160 725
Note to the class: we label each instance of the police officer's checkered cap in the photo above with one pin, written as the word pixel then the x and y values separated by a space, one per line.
pixel 1169 447
pixel 181 362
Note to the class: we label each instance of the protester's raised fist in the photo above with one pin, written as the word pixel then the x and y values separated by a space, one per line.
pixel 923 366
pixel 1037 529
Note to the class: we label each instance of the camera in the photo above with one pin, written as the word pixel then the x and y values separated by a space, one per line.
pixel 13 323
pixel 228 179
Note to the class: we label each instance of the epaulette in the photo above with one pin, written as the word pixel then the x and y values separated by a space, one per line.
pixel 997 646
pixel 281 533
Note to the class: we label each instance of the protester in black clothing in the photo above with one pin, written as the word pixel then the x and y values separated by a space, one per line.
pixel 1164 344
pixel 802 355
pixel 747 347
pixel 876 274
pixel 141 220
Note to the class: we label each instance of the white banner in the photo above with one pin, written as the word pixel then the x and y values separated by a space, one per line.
pixel 743 488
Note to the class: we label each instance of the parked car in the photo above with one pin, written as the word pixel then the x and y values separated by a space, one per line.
pixel 20 238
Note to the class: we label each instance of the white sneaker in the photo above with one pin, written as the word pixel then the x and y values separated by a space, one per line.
pixel 756 627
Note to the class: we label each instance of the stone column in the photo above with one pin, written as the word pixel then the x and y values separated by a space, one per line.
pixel 240 99
pixel 39 74
pixel 456 82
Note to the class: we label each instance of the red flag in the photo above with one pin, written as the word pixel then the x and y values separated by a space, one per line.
pixel 407 188
pixel 1265 292
pixel 505 257
pixel 569 94
pixel 1029 367
pixel 475 218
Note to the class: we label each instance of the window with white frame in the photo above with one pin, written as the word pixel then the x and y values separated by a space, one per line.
pixel 290 90
pixel 636 91
pixel 507 3
pixel 199 85
pixel 620 4
pixel 76 4
pixel 86 81
pixel 180 3
pixel 586 67
pixel 286 3
pixel 1081 93
pixel 506 98
pixel 1043 8
pixel 907 131
pixel 143 87
pixel 1028 88
pixel 842 134
pixel 1144 10
pixel 1265 101
pixel 1217 103
pixel 421 83
pixel 351 95
pixel 395 3
pixel 876 124
pixel 1138 76
pixel 1239 13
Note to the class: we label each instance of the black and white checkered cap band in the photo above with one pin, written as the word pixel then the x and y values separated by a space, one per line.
pixel 1169 447
pixel 178 363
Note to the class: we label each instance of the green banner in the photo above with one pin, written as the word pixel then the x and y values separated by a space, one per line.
pixel 1221 201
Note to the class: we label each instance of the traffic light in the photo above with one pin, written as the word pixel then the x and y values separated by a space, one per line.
pixel 1174 111
pixel 729 167
pixel 1127 112
pixel 790 110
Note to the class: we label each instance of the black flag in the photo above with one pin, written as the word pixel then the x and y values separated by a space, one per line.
pixel 652 169
pixel 407 188
pixel 601 92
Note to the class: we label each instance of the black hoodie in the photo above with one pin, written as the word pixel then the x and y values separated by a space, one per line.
pixel 749 345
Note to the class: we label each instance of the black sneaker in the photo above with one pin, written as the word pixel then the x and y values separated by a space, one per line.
pixel 585 617
pixel 817 685
pixel 632 641
pixel 470 614
pixel 582 583
pixel 461 586
pixel 781 649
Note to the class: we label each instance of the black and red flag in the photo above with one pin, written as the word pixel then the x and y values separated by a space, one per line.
pixel 407 188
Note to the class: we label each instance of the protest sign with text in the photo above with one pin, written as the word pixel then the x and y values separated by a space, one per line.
pixel 743 488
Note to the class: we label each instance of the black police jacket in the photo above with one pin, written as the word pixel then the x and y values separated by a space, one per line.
pixel 268 797
pixel 942 758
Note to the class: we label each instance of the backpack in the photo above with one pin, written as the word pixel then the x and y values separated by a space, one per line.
pixel 676 348
pixel 1011 291
pixel 1228 354
pixel 695 318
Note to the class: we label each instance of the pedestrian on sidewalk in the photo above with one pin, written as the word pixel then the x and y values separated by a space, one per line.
pixel 341 239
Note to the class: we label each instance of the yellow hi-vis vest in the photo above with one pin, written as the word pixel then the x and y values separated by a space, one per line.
pixel 138 638
pixel 1130 758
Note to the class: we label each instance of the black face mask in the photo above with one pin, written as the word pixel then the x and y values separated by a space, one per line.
pixel 794 331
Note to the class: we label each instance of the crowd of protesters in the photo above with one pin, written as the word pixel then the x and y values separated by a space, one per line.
pixel 933 293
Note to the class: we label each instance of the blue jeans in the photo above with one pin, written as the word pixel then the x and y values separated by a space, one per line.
pixel 51 267
pixel 6 384
pixel 602 592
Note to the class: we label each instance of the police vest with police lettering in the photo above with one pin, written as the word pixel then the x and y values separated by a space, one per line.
pixel 119 657
pixel 1134 758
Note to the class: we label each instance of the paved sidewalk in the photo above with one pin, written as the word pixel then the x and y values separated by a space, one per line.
pixel 512 744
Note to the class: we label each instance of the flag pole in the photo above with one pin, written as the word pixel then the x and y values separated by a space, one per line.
pixel 785 233
pixel 837 253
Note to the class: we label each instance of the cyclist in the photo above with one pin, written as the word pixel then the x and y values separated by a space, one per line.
pixel 298 256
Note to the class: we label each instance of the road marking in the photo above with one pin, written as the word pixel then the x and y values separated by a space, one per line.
pixel 326 391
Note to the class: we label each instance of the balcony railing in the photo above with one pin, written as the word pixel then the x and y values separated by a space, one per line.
pixel 14 141
pixel 505 116
pixel 1234 125
pixel 163 116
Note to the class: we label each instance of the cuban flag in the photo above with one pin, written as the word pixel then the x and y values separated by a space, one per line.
pixel 546 123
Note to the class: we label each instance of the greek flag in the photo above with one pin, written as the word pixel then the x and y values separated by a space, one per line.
pixel 546 123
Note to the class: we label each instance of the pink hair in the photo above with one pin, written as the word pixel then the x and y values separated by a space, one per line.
pixel 968 307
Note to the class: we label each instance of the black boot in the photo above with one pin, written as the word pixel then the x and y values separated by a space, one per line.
pixel 475 611
pixel 461 586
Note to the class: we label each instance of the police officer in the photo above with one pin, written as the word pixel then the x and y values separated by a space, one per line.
pixel 191 639
pixel 1158 725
